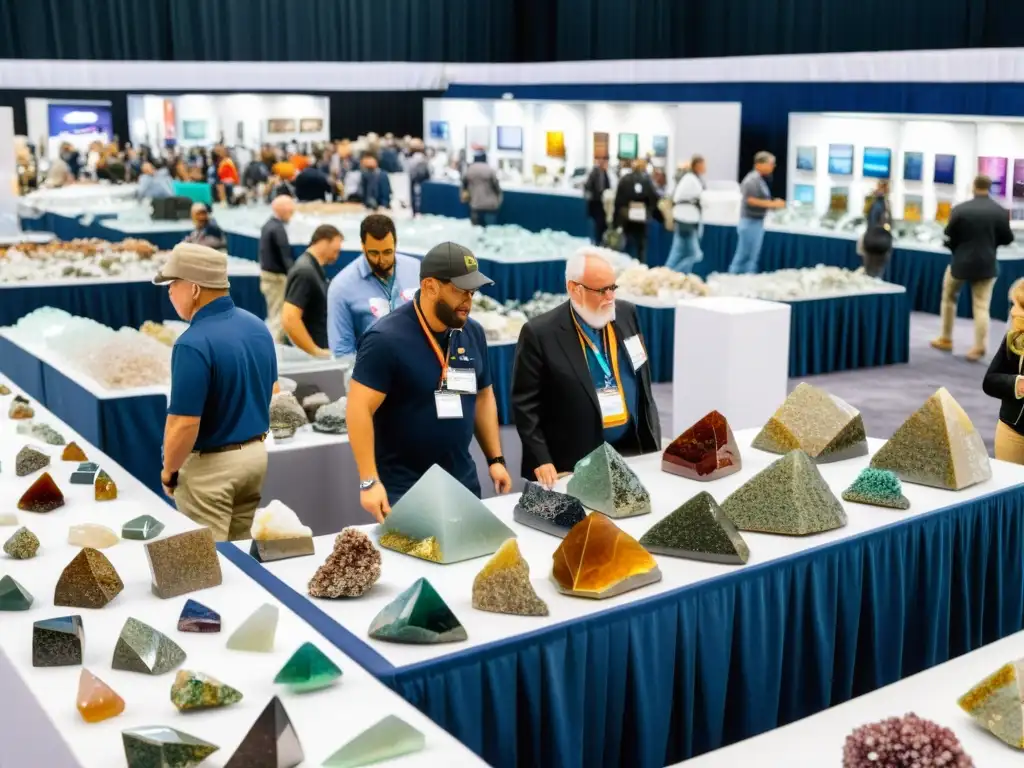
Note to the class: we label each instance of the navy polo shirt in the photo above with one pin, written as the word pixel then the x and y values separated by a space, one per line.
pixel 395 358
pixel 223 369
pixel 627 376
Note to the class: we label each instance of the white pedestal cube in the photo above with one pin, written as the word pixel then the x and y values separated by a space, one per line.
pixel 731 356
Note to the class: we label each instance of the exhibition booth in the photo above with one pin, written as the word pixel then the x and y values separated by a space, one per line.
pixel 79 122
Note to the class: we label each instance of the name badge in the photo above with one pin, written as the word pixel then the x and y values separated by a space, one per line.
pixel 613 408
pixel 637 353
pixel 408 294
pixel 379 307
pixel 462 380
pixel 449 405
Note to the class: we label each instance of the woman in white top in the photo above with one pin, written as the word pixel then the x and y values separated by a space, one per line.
pixel 686 212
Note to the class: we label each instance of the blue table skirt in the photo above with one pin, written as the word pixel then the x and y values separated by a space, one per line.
pixel 706 665
pixel 23 368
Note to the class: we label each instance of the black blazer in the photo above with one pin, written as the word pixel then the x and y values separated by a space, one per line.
pixel 627 193
pixel 553 396
pixel 1001 382
pixel 975 229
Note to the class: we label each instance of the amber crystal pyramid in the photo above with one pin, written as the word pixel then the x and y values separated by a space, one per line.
pixel 938 446
pixel 503 586
pixel 88 581
pixel 104 488
pixel 997 703
pixel 821 425
pixel 698 530
pixel 73 453
pixel 706 451
pixel 42 496
pixel 97 701
pixel 597 559
pixel 604 483
pixel 789 496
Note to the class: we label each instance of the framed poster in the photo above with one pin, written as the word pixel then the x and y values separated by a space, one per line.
pixel 280 125
pixel 660 146
pixel 510 138
pixel 840 159
pixel 995 169
pixel 877 162
pixel 945 169
pixel 601 146
pixel 1018 179
pixel 193 129
pixel 913 208
pixel 438 130
pixel 913 166
pixel 311 125
pixel 805 158
pixel 555 143
pixel 627 146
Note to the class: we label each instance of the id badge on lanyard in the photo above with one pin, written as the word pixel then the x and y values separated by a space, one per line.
pixel 613 406
pixel 610 398
pixel 461 380
pixel 447 399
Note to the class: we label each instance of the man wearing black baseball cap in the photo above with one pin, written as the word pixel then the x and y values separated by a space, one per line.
pixel 422 387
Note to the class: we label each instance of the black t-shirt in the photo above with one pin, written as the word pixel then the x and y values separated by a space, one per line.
pixel 307 289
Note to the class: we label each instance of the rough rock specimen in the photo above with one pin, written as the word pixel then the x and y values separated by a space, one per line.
pixel 282 433
pixel 42 496
pixel 271 742
pixel 418 616
pixel 286 412
pixel 159 746
pixel 96 700
pixel 196 617
pixel 141 648
pixel 598 559
pixel 13 596
pixel 330 418
pixel 503 586
pixel 4 389
pixel 142 528
pixel 997 703
pixel 30 460
pixel 307 670
pixel 277 534
pixel 257 632
pixel 604 483
pixel 72 452
pixel 312 403
pixel 549 511
pixel 88 581
pixel 104 488
pixel 194 690
pixel 823 426
pixel 22 545
pixel 47 434
pixel 91 535
pixel 385 740
pixel 705 451
pixel 350 570
pixel 58 642
pixel 20 408
pixel 904 741
pixel 878 487
pixel 184 563
pixel 698 530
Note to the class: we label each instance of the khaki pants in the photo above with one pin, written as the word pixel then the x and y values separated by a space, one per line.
pixel 1009 443
pixel 272 287
pixel 222 490
pixel 981 299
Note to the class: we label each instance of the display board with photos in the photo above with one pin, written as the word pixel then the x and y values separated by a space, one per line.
pixel 943 209
pixel 193 130
pixel 280 125
pixel 311 125
pixel 554 144
pixel 601 146
pixel 838 200
pixel 945 169
pixel 840 159
pixel 913 166
pixel 806 158
pixel 659 145
pixel 913 208
pixel 995 169
pixel 510 138
pixel 438 130
pixel 877 162
pixel 628 146
pixel 803 194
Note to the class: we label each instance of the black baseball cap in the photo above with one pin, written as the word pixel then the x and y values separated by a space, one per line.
pixel 456 264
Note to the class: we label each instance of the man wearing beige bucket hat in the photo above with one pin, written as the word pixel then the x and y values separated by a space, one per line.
pixel 223 369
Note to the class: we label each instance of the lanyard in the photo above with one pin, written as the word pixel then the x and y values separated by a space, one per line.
pixel 442 358
pixel 610 344
pixel 388 286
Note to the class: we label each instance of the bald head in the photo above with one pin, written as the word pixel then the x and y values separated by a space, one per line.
pixel 283 207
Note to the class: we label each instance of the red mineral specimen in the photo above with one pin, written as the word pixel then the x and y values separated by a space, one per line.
pixel 706 451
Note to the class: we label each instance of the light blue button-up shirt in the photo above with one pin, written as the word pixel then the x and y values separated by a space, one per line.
pixel 357 299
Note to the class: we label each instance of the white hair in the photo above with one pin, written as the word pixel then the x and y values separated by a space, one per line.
pixel 196 207
pixel 576 264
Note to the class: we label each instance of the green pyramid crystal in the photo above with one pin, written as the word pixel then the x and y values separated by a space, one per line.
pixel 997 703
pixel 308 670
pixel 140 648
pixel 194 690
pixel 878 487
pixel 13 596
pixel 821 425
pixel 417 616
pixel 158 746
pixel 698 530
pixel 389 738
pixel 439 519
pixel 789 497
pixel 604 483
pixel 142 528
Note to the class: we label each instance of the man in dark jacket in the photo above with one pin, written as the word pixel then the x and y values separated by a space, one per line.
pixel 974 232
pixel 593 193
pixel 275 261
pixel 636 203
pixel 581 377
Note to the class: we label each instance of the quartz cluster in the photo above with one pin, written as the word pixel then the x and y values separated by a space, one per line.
pixel 277 534
pixel 785 284
pixel 878 487
pixel 80 258
pixel 350 570
pixel 904 741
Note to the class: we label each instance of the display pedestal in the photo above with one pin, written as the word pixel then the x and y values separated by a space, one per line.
pixel 731 355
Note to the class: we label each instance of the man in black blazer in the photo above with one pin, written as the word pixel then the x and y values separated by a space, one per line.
pixel 581 377
pixel 975 230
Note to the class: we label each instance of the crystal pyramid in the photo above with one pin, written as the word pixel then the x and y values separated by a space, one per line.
pixel 599 560
pixel 58 642
pixel 604 483
pixel 548 511
pixel 72 452
pixel 184 563
pixel 997 703
pixel 96 700
pixel 23 545
pixel 878 487
pixel 821 425
pixel 385 740
pixel 789 496
pixel 194 690
pixel 104 488
pixel 270 743
pixel 439 519
pixel 13 596
pixel 257 632
pixel 140 648
pixel 142 528
pixel 308 669
pixel 42 496
pixel 30 460
pixel 158 746
pixel 350 570
pixel 698 530
pixel 88 581
pixel 938 446
pixel 196 617
pixel 417 616
pixel 503 586
pixel 706 451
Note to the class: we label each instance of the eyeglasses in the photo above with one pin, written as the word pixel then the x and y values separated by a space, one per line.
pixel 461 291
pixel 606 291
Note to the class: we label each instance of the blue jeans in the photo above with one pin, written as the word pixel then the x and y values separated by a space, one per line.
pixel 685 250
pixel 749 237
pixel 484 218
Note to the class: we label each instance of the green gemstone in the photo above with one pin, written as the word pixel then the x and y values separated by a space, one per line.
pixel 604 483
pixel 158 746
pixel 142 528
pixel 417 616
pixel 308 670
pixel 13 596
pixel 194 690
pixel 390 738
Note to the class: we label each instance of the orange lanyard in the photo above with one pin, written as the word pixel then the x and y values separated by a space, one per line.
pixel 442 358
pixel 610 344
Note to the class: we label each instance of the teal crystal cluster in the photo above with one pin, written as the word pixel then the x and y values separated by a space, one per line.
pixel 878 487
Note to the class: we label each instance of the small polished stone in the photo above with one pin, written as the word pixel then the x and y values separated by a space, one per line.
pixel 85 474
pixel 159 746
pixel 194 690
pixel 42 496
pixel 22 545
pixel 91 535
pixel 13 596
pixel 88 581
pixel 105 488
pixel 503 586
pixel 96 700
pixel 29 460
pixel 73 452
pixel 385 740
pixel 308 669
pixel 142 528
pixel 257 632
pixel 141 648
pixel 597 559
pixel 196 617
pixel 20 408
pixel 58 642
pixel 270 743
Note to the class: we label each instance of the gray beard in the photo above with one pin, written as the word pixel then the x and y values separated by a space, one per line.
pixel 596 320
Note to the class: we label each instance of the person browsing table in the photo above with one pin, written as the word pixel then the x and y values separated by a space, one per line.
pixel 304 314
pixel 421 388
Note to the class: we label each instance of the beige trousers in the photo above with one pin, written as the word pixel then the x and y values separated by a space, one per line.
pixel 1009 444
pixel 981 299
pixel 222 490
pixel 272 287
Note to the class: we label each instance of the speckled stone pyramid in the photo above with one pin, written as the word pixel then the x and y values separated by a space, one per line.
pixel 698 530
pixel 821 425
pixel 88 581
pixel 58 642
pixel 30 460
pixel 938 446
pixel 789 497
pixel 598 559
pixel 549 511
pixel 439 519
pixel 417 616
pixel 604 483
pixel 184 563
pixel 270 743
pixel 706 451
pixel 503 586
pixel 194 690
pixel 159 746
pixel 141 648
pixel 997 704
pixel 878 487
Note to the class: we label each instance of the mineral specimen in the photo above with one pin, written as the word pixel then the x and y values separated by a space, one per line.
pixel 158 746
pixel 439 519
pixel 597 559
pixel 91 535
pixel 706 451
pixel 196 617
pixel 58 642
pixel 142 528
pixel 194 690
pixel 85 474
pixel 417 616
pixel 22 545
pixel 277 534
pixel 312 403
pixel 105 489
pixel 821 425
pixel 938 446
pixel 698 530
pixel 20 408
pixel 184 563
pixel 73 453
pixel 308 669
pixel 331 418
pixel 42 496
pixel 257 632
pixel 904 741
pixel 997 703
pixel 8 518
pixel 282 433
pixel 30 460
pixel 503 586
pixel 385 740
pixel 270 743
pixel 604 483
pixel 140 648
pixel 547 511
pixel 88 581
pixel 878 487
pixel 285 411
pixel 47 434
pixel 4 389
pixel 350 570
pixel 13 596
pixel 789 496
pixel 96 700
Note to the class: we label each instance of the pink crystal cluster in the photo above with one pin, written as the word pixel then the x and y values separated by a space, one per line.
pixel 904 742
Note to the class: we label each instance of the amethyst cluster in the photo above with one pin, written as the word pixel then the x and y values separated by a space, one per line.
pixel 904 742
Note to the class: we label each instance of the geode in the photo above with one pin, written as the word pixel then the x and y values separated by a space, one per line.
pixel 312 403
pixel 285 411
pixel 330 418
pixel 351 568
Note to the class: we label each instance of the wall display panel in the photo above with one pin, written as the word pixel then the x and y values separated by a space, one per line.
pixel 877 162
pixel 806 158
pixel 280 125
pixel 1018 179
pixel 840 159
pixel 439 130
pixel 628 146
pixel 804 194
pixel 660 146
pixel 913 166
pixel 72 120
pixel 995 169
pixel 945 169
pixel 942 211
pixel 601 146
pixel 839 200
pixel 311 125
pixel 913 208
pixel 478 137
pixel 194 130
pixel 554 144
pixel 510 138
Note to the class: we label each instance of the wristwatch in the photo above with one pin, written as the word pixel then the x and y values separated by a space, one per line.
pixel 365 485
pixel 497 460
